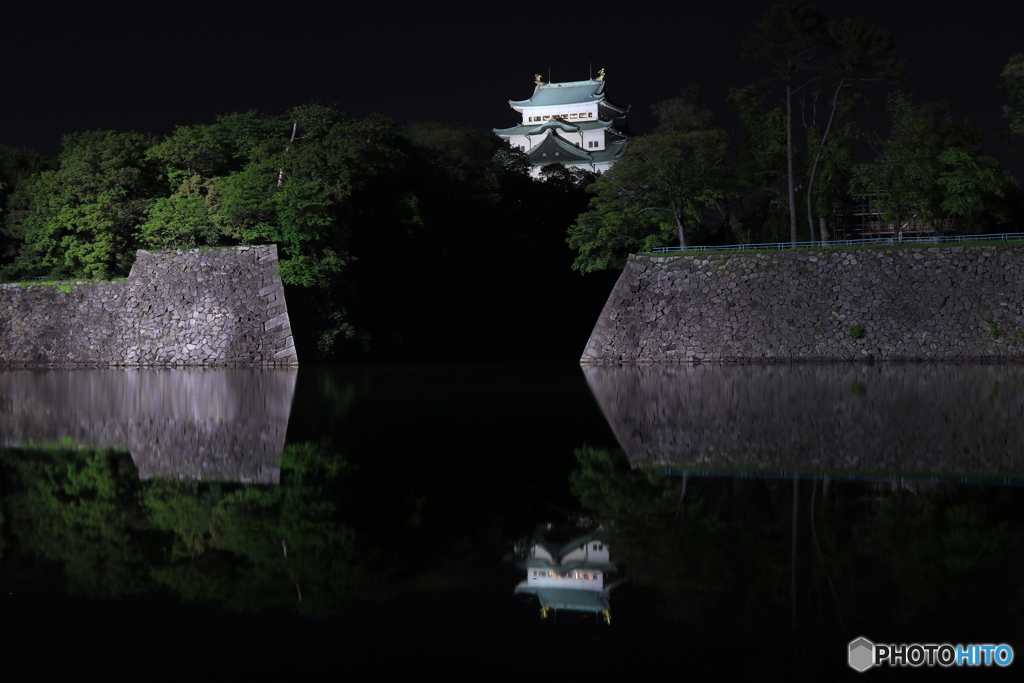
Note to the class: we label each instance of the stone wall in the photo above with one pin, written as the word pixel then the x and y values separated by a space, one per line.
pixel 227 424
pixel 891 304
pixel 856 419
pixel 177 308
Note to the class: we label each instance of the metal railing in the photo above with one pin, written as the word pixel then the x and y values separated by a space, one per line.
pixel 909 241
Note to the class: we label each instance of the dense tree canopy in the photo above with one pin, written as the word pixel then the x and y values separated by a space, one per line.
pixel 82 217
pixel 659 190
pixel 802 153
pixel 930 168
pixel 379 228
pixel 1013 86
pixel 350 204
pixel 821 63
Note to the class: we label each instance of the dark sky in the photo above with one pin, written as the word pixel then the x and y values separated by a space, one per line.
pixel 166 64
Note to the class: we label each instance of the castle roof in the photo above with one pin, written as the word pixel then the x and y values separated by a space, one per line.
pixel 567 598
pixel 554 149
pixel 614 150
pixel 560 124
pixel 573 92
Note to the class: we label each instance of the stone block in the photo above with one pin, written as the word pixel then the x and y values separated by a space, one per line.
pixel 175 308
pixel 775 310
pixel 272 289
pixel 277 321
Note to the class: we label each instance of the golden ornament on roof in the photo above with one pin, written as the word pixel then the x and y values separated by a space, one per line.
pixel 537 80
pixel 600 75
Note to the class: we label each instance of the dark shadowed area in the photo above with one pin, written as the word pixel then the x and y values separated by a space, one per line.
pixel 151 68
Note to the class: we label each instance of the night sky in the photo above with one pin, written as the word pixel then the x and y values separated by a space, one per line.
pixel 161 65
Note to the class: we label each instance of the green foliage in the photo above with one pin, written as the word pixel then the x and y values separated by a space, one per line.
pixel 604 237
pixel 822 64
pixel 789 37
pixel 305 195
pixel 996 331
pixel 931 169
pixel 1013 86
pixel 335 331
pixel 758 170
pixel 82 217
pixel 76 508
pixel 605 485
pixel 244 546
pixel 970 182
pixel 248 133
pixel 16 167
pixel 191 216
pixel 460 153
pixel 661 186
pixel 192 151
pixel 249 547
pixel 856 331
pixel 929 542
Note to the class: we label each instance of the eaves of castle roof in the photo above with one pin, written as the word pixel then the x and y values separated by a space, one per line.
pixel 552 94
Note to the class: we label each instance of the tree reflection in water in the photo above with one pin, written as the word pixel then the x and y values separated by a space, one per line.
pixel 249 547
pixel 835 557
pixel 407 534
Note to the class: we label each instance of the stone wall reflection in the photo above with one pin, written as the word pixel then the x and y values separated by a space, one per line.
pixel 860 419
pixel 224 424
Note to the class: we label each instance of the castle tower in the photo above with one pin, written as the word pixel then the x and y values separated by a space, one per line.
pixel 572 124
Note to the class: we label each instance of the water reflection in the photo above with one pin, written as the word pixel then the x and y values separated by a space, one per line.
pixel 577 576
pixel 897 532
pixel 411 535
pixel 223 424
pixel 822 560
pixel 878 420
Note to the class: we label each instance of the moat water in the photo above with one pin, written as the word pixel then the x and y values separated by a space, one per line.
pixel 756 519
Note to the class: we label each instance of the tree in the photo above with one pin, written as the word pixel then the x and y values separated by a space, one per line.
pixel 462 153
pixel 72 506
pixel 18 168
pixel 789 38
pixel 858 52
pixel 191 216
pixel 84 216
pixel 931 169
pixel 1013 86
pixel 605 235
pixel 970 182
pixel 192 151
pixel 661 186
pixel 316 184
pixel 605 485
pixel 815 58
pixel 753 207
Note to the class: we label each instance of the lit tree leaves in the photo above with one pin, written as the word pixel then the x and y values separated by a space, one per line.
pixel 191 216
pixel 88 210
pixel 970 182
pixel 190 151
pixel 661 186
pixel 930 169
